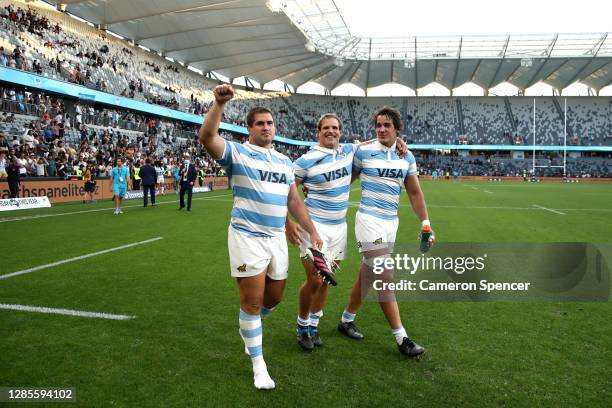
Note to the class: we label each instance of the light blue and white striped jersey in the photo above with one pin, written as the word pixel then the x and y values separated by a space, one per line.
pixel 327 175
pixel 382 173
pixel 260 180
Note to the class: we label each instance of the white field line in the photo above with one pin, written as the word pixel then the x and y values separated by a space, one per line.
pixel 484 207
pixel 66 312
pixel 585 209
pixel 548 209
pixel 499 185
pixel 481 207
pixel 32 217
pixel 77 258
pixel 477 189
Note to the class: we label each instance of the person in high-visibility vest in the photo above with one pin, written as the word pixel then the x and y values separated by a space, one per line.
pixel 89 178
pixel 201 176
pixel 136 176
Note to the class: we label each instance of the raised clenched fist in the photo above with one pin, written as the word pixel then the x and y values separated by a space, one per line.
pixel 223 93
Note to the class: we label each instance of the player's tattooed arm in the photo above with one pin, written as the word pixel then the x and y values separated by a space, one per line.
pixel 293 230
pixel 298 210
pixel 367 142
pixel 209 131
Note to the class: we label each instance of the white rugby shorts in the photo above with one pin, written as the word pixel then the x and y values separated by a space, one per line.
pixel 375 233
pixel 250 255
pixel 334 240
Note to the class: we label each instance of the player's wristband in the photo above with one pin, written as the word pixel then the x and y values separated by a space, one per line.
pixel 424 223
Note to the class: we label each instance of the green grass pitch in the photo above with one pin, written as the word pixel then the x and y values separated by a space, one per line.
pixel 183 349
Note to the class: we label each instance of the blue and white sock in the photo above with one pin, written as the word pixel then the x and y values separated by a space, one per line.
pixel 303 322
pixel 347 316
pixel 315 317
pixel 399 334
pixel 251 333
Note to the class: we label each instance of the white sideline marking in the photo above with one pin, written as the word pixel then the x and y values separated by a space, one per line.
pixel 487 191
pixel 32 217
pixel 495 207
pixel 66 312
pixel 586 209
pixel 77 258
pixel 482 207
pixel 548 209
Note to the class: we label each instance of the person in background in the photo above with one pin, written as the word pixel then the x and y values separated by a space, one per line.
pixel 135 174
pixel 149 177
pixel 119 177
pixel 159 170
pixel 176 173
pixel 13 175
pixel 89 178
pixel 188 177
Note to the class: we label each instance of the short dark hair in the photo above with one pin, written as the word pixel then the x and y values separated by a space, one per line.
pixel 392 114
pixel 255 111
pixel 329 116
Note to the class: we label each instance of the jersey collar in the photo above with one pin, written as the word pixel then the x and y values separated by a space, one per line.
pixel 326 150
pixel 258 148
pixel 385 148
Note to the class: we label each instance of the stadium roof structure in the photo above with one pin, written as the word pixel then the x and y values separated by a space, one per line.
pixel 298 41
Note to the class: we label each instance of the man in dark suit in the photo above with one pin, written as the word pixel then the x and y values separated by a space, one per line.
pixel 13 176
pixel 188 176
pixel 148 176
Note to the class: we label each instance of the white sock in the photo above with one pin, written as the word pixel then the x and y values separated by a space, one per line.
pixel 315 317
pixel 399 334
pixel 347 316
pixel 261 378
pixel 303 322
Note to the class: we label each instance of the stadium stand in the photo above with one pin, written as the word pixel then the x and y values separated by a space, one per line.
pixel 486 121
pixel 54 45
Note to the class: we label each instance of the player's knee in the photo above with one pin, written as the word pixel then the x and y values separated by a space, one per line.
pixel 272 303
pixel 252 308
pixel 273 299
pixel 251 303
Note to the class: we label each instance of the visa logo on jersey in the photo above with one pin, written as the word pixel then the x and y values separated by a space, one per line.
pixel 393 173
pixel 273 177
pixel 336 174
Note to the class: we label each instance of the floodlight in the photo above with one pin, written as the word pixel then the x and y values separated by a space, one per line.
pixel 275 6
